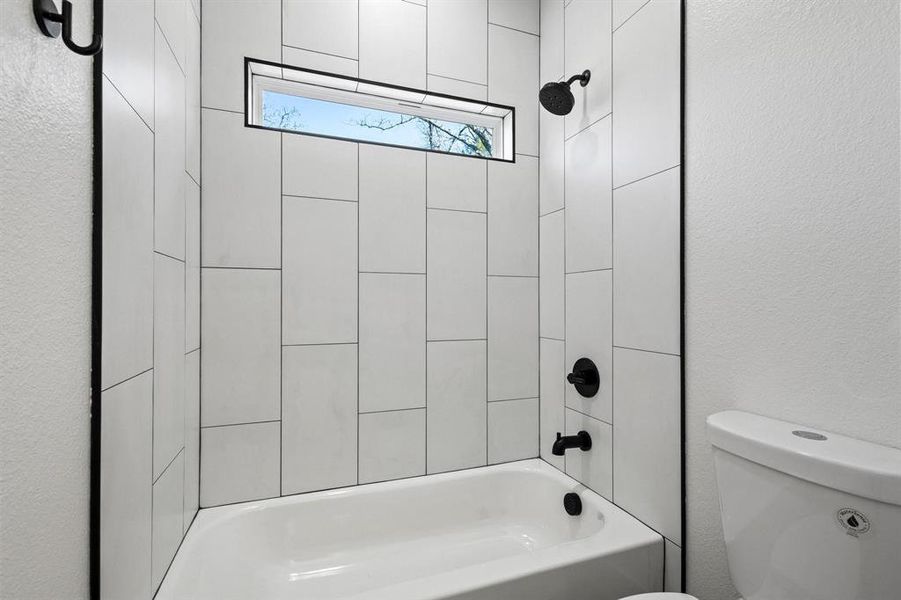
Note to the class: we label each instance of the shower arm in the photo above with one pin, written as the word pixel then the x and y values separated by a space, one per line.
pixel 582 78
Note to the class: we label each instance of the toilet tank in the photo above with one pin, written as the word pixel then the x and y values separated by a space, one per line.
pixel 807 514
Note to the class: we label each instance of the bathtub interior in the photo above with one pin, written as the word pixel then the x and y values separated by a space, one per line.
pixel 347 542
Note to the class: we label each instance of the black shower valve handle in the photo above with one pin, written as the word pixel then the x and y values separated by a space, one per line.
pixel 585 377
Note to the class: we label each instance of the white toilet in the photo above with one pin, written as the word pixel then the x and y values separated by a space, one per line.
pixel 807 515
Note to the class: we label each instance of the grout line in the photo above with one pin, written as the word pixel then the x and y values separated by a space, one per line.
pixel 241 268
pixel 629 18
pixel 392 410
pixel 168 45
pixel 588 271
pixel 284 45
pixel 484 85
pixel 589 126
pixel 514 29
pixel 166 468
pixel 390 273
pixel 547 214
pixel 126 380
pixel 284 345
pixel 647 176
pixel 284 195
pixel 553 339
pixel 648 351
pixel 457 340
pixel 225 110
pixel 460 210
pixel 515 276
pixel 240 424
pixel 513 399
pixel 115 87
pixel 181 260
pixel 584 414
pixel 281 309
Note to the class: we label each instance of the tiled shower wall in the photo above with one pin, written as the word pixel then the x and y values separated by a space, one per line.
pixel 369 313
pixel 610 253
pixel 150 364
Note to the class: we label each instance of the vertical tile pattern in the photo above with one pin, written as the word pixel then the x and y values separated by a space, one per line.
pixel 241 355
pixel 352 253
pixel 458 39
pixel 319 418
pixel 513 80
pixel 239 463
pixel 512 430
pixel 617 183
pixel 319 287
pixel 552 282
pixel 168 360
pixel 392 210
pixel 126 476
pixel 393 42
pixel 456 411
pixel 150 333
pixel 456 279
pixel 512 217
pixel 512 337
pixel 392 445
pixel 392 341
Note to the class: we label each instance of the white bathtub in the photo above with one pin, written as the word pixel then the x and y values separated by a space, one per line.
pixel 497 533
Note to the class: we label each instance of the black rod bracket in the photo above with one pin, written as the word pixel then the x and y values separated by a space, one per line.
pixel 52 23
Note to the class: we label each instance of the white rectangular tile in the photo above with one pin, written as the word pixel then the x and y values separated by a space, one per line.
pixel 458 39
pixel 512 430
pixel 552 281
pixel 593 467
pixel 647 82
pixel 624 9
pixel 168 360
pixel 672 580
pixel 517 14
pixel 392 341
pixel 192 265
pixel 455 87
pixel 232 30
pixel 241 194
pixel 513 80
pixel 551 62
pixel 393 42
pixel 392 210
pixel 319 417
pixel 457 182
pixel 456 410
pixel 553 382
pixel 322 26
pixel 646 301
pixel 127 332
pixel 320 62
pixel 239 463
pixel 512 337
pixel 513 217
pixel 457 285
pixel 169 154
pixel 647 439
pixel 192 438
pixel 126 476
pixel 589 334
pixel 192 94
pixel 588 198
pixel 128 46
pixel 319 167
pixel 241 345
pixel 551 163
pixel 319 285
pixel 167 518
pixel 392 445
pixel 587 46
pixel 170 15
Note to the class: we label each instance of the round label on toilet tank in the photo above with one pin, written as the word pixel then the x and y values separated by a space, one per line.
pixel 853 521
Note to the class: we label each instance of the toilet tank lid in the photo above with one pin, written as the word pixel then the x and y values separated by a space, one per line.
pixel 839 462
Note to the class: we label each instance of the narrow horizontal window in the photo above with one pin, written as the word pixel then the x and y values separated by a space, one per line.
pixel 291 99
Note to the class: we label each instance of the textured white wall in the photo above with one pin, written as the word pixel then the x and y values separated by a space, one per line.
pixel 791 230
pixel 45 299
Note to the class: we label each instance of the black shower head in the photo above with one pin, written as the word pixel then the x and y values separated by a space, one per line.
pixel 556 96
